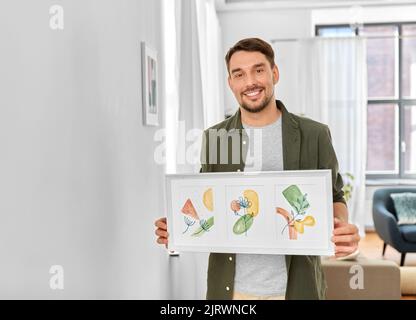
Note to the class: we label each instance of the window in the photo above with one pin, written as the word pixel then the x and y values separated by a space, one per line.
pixel 391 107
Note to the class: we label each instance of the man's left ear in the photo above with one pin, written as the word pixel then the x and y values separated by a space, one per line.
pixel 275 74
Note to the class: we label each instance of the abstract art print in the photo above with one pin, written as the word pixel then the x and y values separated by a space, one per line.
pixel 149 86
pixel 192 217
pixel 295 217
pixel 246 207
pixel 274 212
pixel 194 213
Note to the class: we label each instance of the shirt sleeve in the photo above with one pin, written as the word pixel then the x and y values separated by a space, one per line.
pixel 204 153
pixel 328 160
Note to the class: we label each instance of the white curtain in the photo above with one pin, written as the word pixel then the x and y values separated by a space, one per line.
pixel 328 83
pixel 195 100
pixel 211 58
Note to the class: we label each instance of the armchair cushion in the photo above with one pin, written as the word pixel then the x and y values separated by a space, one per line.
pixel 408 232
pixel 405 205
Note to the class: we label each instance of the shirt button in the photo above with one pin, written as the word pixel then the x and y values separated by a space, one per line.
pixel 227 288
pixel 244 142
pixel 238 170
pixel 230 258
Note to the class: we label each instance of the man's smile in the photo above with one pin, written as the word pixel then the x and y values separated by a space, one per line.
pixel 253 94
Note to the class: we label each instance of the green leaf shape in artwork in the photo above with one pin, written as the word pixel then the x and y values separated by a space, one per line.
pixel 205 226
pixel 297 205
pixel 296 199
pixel 243 224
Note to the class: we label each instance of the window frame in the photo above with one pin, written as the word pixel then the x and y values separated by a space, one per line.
pixel 400 101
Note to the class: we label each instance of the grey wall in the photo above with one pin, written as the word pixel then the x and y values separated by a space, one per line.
pixel 78 184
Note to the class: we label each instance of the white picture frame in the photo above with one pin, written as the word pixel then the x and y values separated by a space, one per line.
pixel 251 212
pixel 150 86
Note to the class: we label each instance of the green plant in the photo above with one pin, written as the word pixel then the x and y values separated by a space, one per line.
pixel 348 186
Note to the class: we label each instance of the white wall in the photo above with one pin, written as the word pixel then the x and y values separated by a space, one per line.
pixel 78 185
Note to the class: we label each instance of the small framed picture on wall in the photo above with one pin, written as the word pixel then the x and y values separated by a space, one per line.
pixel 150 86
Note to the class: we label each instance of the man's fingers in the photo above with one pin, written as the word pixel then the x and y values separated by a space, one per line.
pixel 340 255
pixel 346 238
pixel 160 221
pixel 345 249
pixel 339 223
pixel 162 233
pixel 162 241
pixel 347 229
pixel 161 224
pixel 344 244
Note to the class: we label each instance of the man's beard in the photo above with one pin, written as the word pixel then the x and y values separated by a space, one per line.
pixel 258 109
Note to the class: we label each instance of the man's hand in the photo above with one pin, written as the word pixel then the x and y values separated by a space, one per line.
pixel 345 237
pixel 161 231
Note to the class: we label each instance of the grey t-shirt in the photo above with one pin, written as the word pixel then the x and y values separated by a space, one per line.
pixel 262 274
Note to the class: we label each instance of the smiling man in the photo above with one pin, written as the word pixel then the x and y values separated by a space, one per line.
pixel 288 142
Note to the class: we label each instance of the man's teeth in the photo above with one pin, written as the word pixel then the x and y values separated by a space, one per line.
pixel 253 93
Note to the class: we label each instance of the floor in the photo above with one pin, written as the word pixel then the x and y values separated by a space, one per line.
pixel 371 246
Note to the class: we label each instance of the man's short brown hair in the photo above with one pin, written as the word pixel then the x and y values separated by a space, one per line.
pixel 251 45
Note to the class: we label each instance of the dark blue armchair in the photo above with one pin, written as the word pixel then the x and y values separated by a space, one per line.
pixel 400 237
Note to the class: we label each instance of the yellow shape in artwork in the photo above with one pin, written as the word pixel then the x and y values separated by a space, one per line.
pixel 253 199
pixel 300 225
pixel 208 199
pixel 309 221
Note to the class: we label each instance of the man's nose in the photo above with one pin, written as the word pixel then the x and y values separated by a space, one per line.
pixel 250 80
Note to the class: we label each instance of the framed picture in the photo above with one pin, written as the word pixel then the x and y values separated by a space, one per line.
pixel 274 212
pixel 149 86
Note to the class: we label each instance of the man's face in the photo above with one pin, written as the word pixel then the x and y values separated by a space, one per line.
pixel 252 80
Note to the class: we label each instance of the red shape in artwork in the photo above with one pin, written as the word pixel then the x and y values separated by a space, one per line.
pixel 189 209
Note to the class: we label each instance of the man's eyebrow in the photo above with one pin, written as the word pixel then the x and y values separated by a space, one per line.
pixel 236 70
pixel 261 64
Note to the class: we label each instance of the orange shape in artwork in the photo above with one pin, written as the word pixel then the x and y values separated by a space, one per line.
pixel 189 209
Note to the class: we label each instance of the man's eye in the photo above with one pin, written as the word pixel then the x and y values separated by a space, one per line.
pixel 238 75
pixel 260 70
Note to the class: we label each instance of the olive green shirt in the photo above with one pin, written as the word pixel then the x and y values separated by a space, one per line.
pixel 307 145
